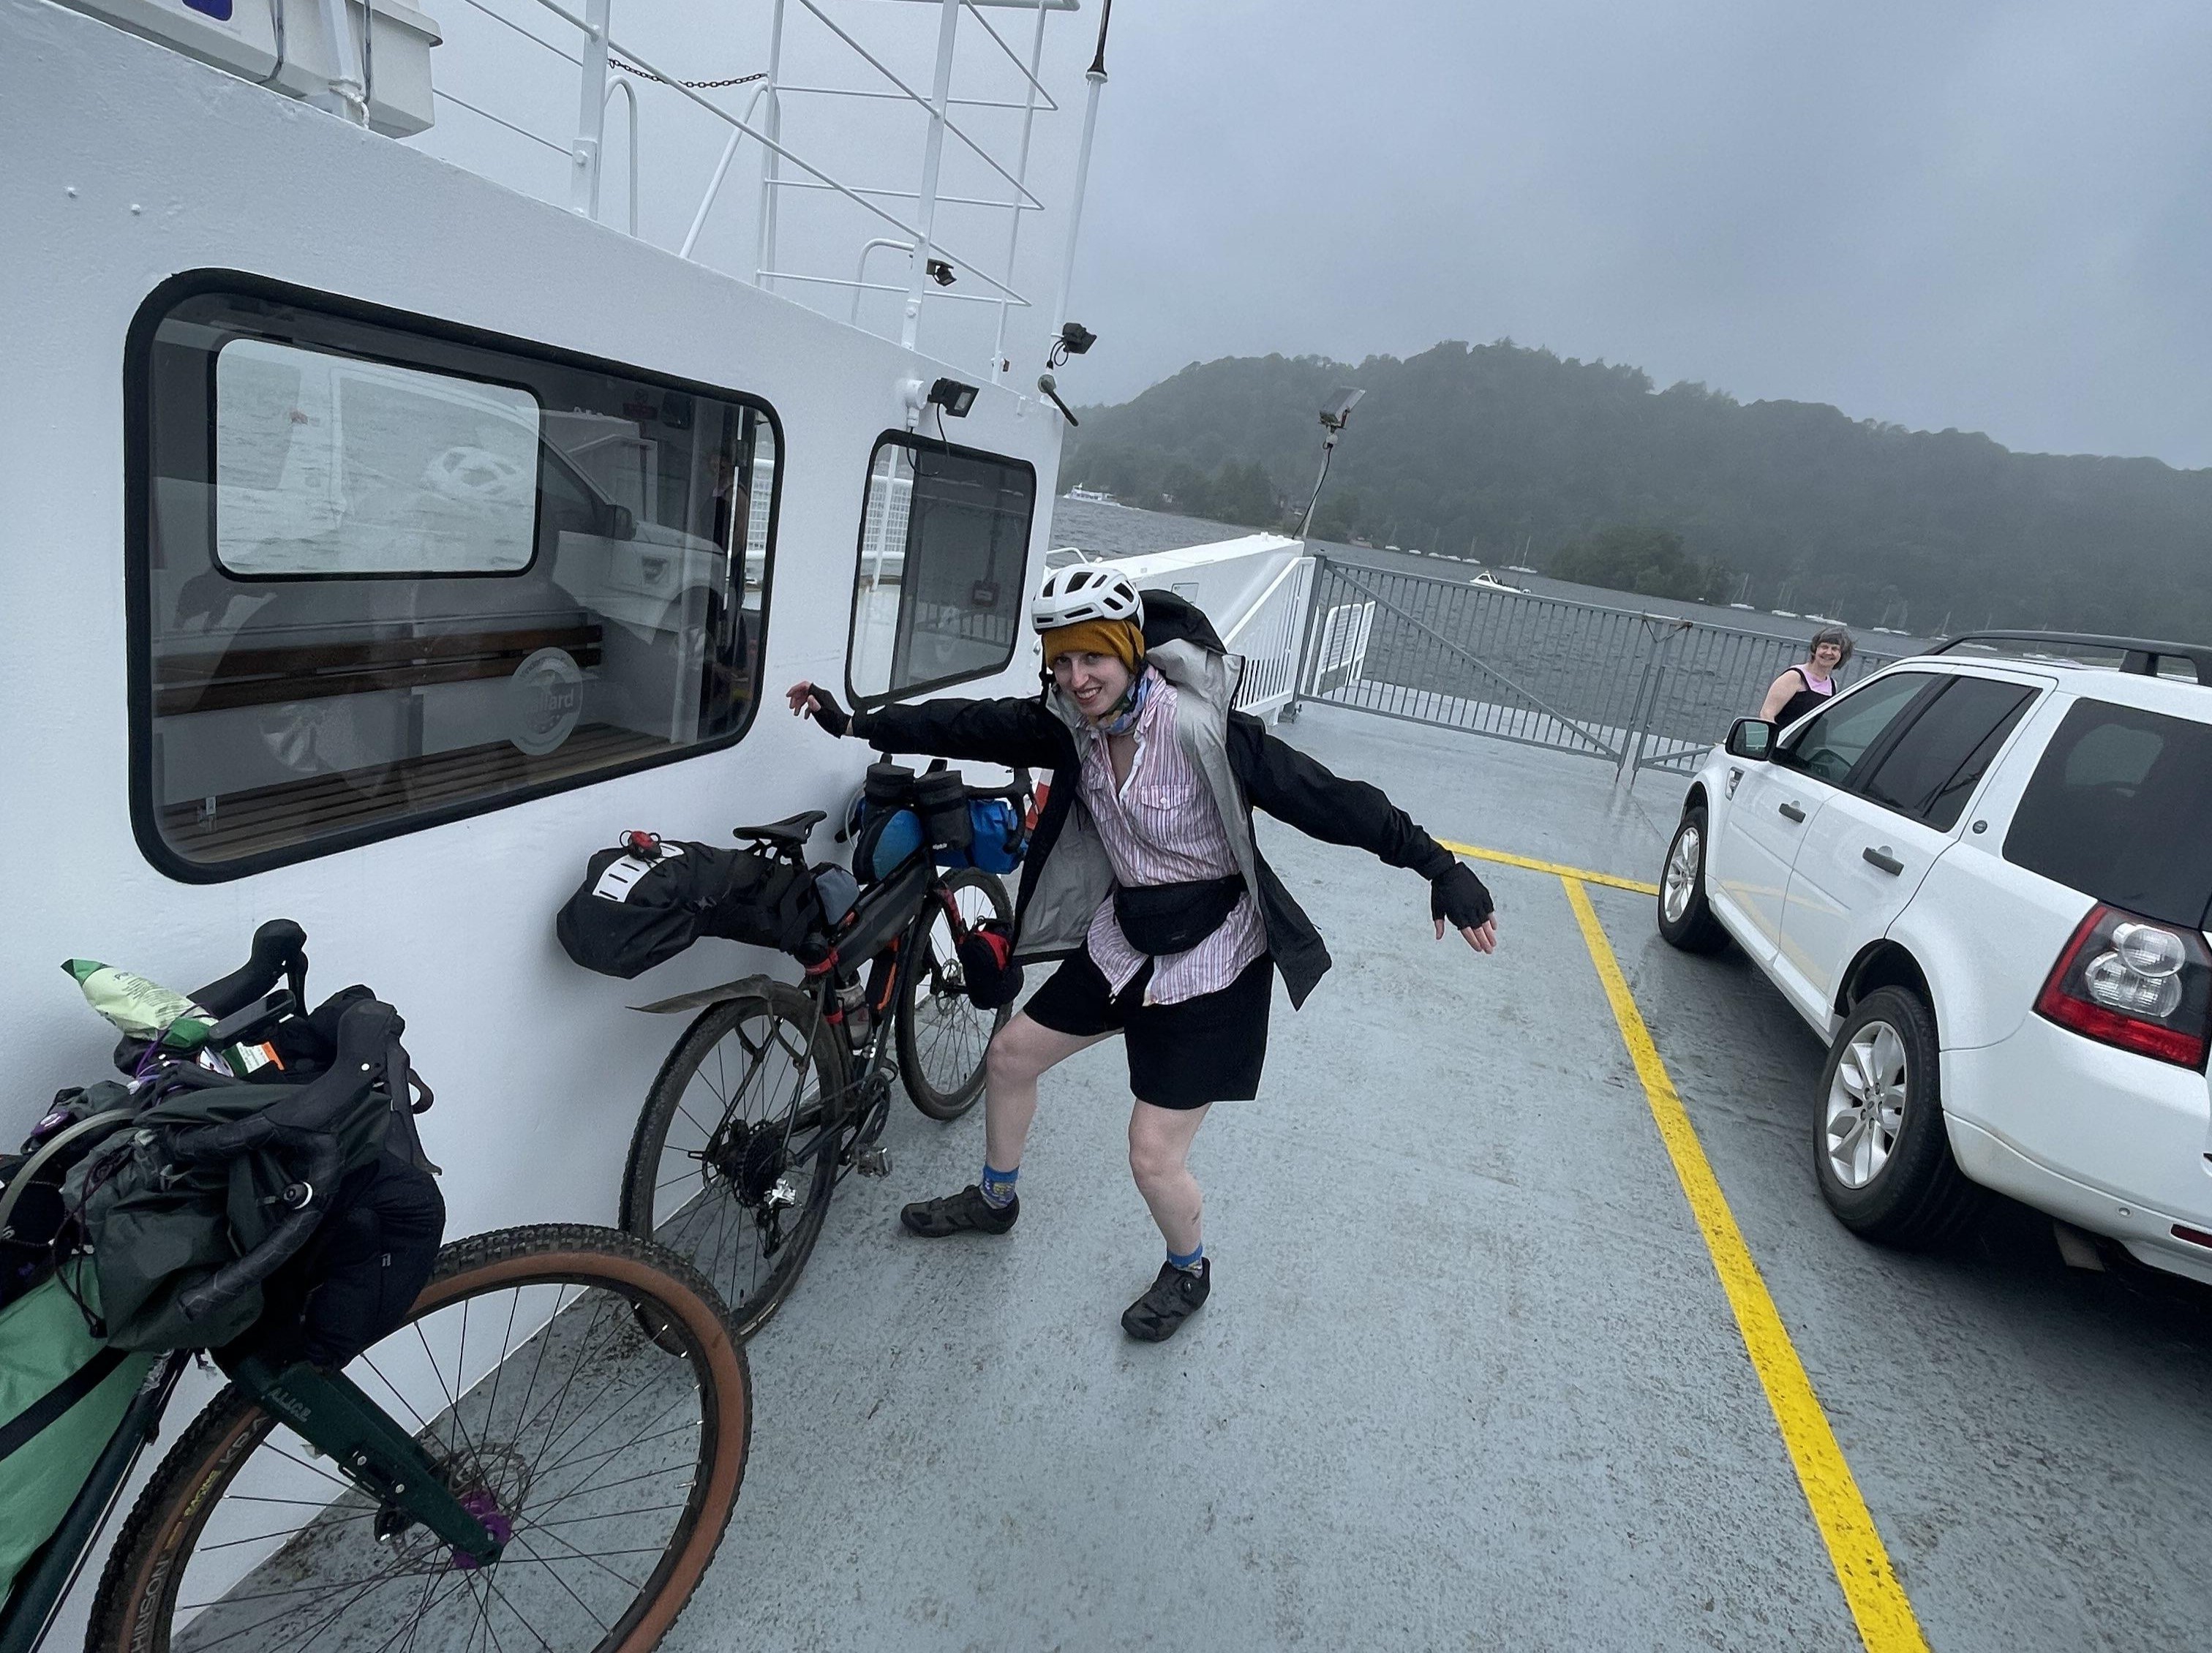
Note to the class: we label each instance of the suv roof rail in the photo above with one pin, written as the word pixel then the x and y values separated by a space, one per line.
pixel 2138 655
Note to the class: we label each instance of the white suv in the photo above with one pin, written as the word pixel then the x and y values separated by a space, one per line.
pixel 1985 881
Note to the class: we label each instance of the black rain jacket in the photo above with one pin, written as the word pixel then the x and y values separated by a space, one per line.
pixel 1268 774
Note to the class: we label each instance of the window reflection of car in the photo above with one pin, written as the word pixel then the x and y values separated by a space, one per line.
pixel 609 623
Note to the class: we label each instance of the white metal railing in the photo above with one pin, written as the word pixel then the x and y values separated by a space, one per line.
pixel 1268 635
pixel 907 215
pixel 1340 656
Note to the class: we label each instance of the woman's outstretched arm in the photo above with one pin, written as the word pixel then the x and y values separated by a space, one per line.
pixel 1019 733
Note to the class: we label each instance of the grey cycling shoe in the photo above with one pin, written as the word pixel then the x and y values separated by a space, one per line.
pixel 1172 1299
pixel 965 1212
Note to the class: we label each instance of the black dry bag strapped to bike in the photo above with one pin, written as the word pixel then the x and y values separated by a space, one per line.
pixel 648 899
pixel 303 1215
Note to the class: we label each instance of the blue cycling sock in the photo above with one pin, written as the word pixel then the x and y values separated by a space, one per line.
pixel 1191 1262
pixel 999 1186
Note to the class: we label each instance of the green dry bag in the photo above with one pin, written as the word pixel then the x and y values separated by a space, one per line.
pixel 61 1394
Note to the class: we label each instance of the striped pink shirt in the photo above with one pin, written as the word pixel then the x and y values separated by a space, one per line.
pixel 1161 826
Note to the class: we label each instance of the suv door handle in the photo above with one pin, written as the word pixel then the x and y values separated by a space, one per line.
pixel 1882 859
pixel 1791 812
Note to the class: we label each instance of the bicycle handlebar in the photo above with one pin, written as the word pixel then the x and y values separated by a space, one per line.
pixel 279 950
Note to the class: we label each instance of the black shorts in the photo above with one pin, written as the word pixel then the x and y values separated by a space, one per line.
pixel 1206 1049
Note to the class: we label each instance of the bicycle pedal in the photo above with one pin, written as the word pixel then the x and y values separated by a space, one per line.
pixel 872 1159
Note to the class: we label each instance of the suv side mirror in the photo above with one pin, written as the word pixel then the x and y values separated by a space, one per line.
pixel 1750 737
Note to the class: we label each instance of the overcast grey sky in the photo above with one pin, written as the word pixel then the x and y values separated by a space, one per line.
pixel 1991 214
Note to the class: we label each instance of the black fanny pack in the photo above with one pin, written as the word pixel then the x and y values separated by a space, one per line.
pixel 1173 918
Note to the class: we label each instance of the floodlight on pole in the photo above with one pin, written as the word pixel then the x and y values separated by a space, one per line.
pixel 1333 418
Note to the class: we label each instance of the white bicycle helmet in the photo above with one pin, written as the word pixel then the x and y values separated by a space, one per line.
pixel 1085 591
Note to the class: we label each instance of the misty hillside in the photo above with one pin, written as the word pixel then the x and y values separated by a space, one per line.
pixel 1517 455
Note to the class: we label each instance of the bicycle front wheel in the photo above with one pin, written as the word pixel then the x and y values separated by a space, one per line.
pixel 943 1038
pixel 614 1457
pixel 735 1155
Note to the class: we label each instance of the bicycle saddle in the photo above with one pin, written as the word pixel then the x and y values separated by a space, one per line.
pixel 793 831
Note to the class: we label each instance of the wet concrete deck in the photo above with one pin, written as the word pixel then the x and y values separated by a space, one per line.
pixel 1467 1379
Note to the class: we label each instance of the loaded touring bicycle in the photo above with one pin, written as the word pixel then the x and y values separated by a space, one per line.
pixel 383 540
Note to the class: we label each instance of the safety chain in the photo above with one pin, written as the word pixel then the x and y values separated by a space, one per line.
pixel 695 86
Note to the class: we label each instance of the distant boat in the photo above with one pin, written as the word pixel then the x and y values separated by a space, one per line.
pixel 1518 568
pixel 1389 548
pixel 1749 607
pixel 1486 581
pixel 1092 496
pixel 1783 614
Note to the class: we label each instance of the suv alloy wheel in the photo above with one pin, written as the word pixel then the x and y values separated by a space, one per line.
pixel 1685 921
pixel 1880 1148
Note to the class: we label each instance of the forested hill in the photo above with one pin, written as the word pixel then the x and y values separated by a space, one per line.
pixel 1519 456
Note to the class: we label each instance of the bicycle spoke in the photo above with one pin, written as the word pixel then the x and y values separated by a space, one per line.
pixel 492 1585
pixel 554 1573
pixel 596 1559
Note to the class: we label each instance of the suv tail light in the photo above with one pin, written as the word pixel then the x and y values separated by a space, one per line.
pixel 2133 982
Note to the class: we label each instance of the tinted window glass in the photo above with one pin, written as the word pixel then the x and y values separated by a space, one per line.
pixel 1828 746
pixel 944 542
pixel 1931 770
pixel 388 574
pixel 2117 809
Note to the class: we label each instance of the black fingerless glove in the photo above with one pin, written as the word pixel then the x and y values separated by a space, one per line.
pixel 827 713
pixel 1459 898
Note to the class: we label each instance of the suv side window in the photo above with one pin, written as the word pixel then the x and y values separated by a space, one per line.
pixel 1830 745
pixel 1934 765
pixel 2117 810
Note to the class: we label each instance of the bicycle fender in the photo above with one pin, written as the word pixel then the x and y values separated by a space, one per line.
pixel 685 1002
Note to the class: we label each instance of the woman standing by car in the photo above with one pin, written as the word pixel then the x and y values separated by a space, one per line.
pixel 1144 879
pixel 1806 688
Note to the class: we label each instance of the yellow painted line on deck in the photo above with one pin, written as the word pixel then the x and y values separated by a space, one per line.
pixel 1580 874
pixel 1878 1603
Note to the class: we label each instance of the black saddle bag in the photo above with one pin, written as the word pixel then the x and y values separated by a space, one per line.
pixel 645 901
pixel 1173 918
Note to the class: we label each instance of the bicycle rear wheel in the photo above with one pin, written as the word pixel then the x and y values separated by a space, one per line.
pixel 614 1456
pixel 942 1037
pixel 730 1166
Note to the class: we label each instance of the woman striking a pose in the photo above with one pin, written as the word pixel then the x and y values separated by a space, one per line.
pixel 1144 879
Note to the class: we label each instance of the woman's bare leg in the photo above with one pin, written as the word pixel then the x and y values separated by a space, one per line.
pixel 1159 1148
pixel 1021 1052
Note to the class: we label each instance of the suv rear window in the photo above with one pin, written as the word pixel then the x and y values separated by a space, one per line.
pixel 2117 809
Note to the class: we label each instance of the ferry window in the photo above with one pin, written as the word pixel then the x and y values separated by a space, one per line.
pixel 944 536
pixel 385 573
pixel 328 465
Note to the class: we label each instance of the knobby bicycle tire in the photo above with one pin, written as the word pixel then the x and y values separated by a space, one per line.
pixel 138 1603
pixel 918 1047
pixel 716 1228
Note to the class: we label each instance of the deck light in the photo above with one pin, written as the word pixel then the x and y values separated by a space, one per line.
pixel 955 398
pixel 939 271
pixel 1334 416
